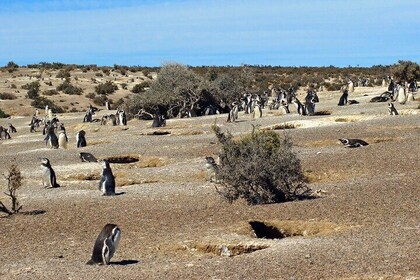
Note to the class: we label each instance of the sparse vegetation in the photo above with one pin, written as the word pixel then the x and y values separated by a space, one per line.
pixel 7 96
pixel 138 88
pixel 260 167
pixel 14 182
pixel 3 114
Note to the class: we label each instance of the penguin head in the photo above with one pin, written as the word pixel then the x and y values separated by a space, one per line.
pixel 82 133
pixel 105 164
pixel 344 141
pixel 45 161
pixel 210 160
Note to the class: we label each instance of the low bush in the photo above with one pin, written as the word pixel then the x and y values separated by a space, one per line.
pixel 3 114
pixel 7 96
pixel 50 92
pixel 41 102
pixel 106 88
pixel 260 167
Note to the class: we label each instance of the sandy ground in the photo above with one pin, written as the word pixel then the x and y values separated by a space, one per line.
pixel 365 225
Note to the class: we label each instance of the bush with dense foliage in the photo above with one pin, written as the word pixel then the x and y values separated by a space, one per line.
pixel 41 102
pixel 69 89
pixel 106 88
pixel 3 114
pixel 33 90
pixel 260 167
pixel 406 71
pixel 138 88
pixel 50 92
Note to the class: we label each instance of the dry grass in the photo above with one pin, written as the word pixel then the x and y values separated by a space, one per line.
pixel 228 249
pixel 344 120
pixel 123 178
pixel 329 176
pixel 188 132
pixel 281 126
pixel 321 143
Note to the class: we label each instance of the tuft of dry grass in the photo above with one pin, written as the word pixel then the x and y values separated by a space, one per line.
pixel 82 177
pixel 344 120
pixel 281 126
pixel 228 250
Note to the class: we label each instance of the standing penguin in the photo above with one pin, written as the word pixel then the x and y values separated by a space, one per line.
pixel 51 138
pixel 257 112
pixel 62 139
pixel 107 183
pixel 344 98
pixel 105 245
pixel 391 109
pixel 80 139
pixel 48 175
pixel 122 118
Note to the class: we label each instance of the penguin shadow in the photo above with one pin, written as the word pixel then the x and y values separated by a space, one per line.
pixel 120 193
pixel 125 262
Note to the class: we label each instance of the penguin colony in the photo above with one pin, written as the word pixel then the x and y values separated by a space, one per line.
pixel 108 239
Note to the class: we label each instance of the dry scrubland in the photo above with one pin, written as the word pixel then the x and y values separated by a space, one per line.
pixel 364 225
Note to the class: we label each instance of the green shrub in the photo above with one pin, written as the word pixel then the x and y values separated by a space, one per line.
pixel 69 89
pixel 90 95
pixel 260 167
pixel 138 88
pixel 100 100
pixel 107 88
pixel 50 92
pixel 41 102
pixel 63 74
pixel 3 114
pixel 7 96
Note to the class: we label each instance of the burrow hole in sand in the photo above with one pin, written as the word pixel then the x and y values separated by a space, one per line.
pixel 124 159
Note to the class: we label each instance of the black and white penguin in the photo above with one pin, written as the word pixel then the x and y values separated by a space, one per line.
pixel 107 183
pixel 212 169
pixel 122 118
pixel 62 139
pixel 51 139
pixel 353 143
pixel 48 175
pixel 391 109
pixel 12 129
pixel 344 98
pixel 158 120
pixel 88 157
pixel 105 245
pixel 257 112
pixel 80 139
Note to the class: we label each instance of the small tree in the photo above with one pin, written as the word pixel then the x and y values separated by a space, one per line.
pixel 14 182
pixel 3 114
pixel 260 167
pixel 406 71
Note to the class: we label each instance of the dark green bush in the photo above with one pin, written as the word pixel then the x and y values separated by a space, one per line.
pixel 138 88
pixel 260 167
pixel 50 92
pixel 106 88
pixel 41 102
pixel 100 100
pixel 3 114
pixel 69 89
pixel 90 95
pixel 63 74
pixel 7 96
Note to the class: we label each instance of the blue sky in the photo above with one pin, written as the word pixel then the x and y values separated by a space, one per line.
pixel 205 32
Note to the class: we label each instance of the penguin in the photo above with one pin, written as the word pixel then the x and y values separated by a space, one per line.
pixel 51 138
pixel 87 157
pixel 80 139
pixel 257 112
pixel 62 139
pixel 107 105
pixel 122 118
pixel 12 129
pixel 353 143
pixel 233 113
pixel 48 175
pixel 343 99
pixel 158 120
pixel 107 183
pixel 105 245
pixel 212 169
pixel 391 109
